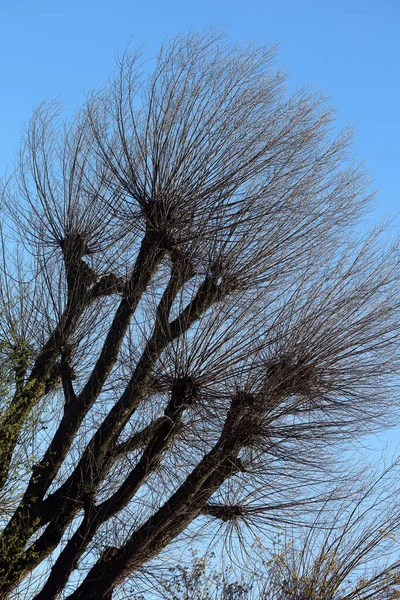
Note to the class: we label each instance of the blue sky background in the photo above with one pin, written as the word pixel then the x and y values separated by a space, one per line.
pixel 350 49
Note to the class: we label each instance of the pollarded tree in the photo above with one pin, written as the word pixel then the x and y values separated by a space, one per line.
pixel 191 320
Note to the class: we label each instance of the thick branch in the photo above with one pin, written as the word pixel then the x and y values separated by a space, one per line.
pixel 103 440
pixel 172 518
pixel 106 286
pixel 154 535
pixel 36 386
pixel 99 454
pixel 139 439
pixel 96 515
pixel 19 528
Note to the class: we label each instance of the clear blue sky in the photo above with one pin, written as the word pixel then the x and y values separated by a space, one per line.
pixel 348 48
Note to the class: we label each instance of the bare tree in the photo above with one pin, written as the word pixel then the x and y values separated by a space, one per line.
pixel 191 322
